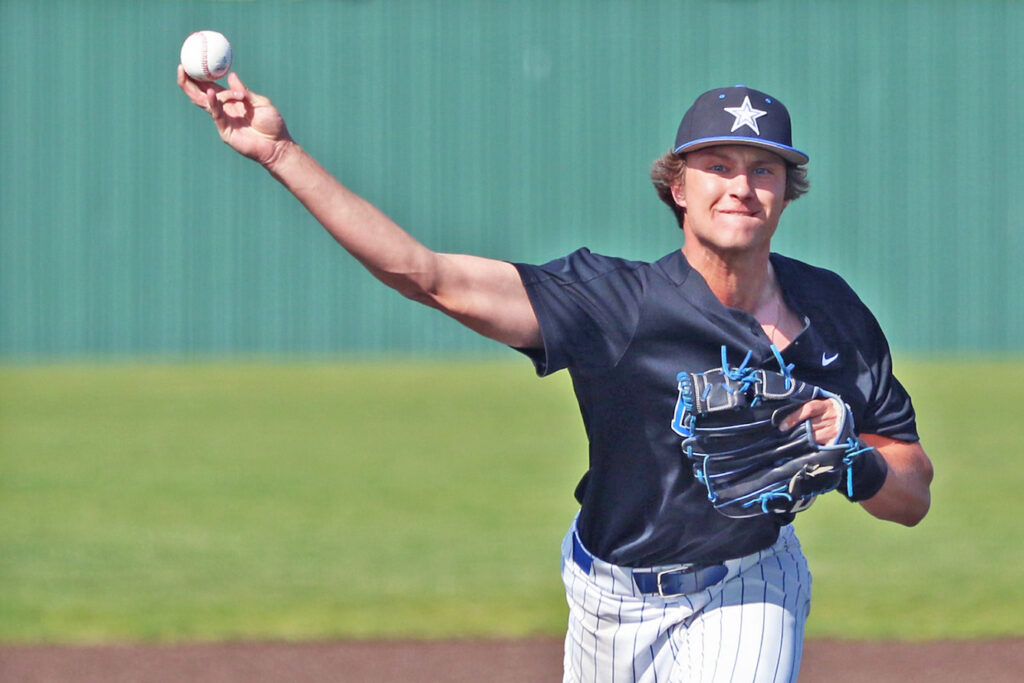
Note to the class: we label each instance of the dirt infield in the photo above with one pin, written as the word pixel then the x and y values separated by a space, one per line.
pixel 465 661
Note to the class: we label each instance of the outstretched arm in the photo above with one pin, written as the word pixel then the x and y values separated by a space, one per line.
pixel 486 295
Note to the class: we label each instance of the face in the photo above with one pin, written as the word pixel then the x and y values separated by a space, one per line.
pixel 733 196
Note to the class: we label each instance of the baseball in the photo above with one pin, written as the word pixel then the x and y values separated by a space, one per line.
pixel 206 55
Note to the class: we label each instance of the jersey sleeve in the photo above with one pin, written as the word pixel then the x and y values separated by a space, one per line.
pixel 890 410
pixel 588 307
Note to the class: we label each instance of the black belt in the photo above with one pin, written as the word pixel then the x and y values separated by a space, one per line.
pixel 681 580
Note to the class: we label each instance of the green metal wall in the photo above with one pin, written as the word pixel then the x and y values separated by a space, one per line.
pixel 518 129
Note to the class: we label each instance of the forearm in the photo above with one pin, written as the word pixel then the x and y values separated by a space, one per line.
pixel 905 497
pixel 385 249
pixel 484 294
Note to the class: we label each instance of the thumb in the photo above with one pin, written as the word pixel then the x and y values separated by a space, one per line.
pixel 238 89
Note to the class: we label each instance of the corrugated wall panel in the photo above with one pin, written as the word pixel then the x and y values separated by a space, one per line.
pixel 518 129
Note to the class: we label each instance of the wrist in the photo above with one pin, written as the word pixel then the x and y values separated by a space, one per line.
pixel 284 152
pixel 865 475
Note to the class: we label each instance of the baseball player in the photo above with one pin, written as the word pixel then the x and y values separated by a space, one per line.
pixel 661 585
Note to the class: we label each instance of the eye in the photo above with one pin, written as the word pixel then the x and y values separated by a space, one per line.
pixel 717 168
pixel 764 170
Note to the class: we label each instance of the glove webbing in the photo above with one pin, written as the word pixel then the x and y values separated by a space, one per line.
pixel 747 378
pixel 741 373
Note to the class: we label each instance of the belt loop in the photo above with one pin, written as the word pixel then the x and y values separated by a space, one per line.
pixel 580 555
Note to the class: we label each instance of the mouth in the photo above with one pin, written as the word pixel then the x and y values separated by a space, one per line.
pixel 739 212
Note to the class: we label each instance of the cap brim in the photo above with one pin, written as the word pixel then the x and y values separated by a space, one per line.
pixel 790 154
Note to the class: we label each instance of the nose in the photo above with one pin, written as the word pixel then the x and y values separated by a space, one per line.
pixel 740 185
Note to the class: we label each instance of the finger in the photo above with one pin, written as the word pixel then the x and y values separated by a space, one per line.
pixel 191 88
pixel 808 411
pixel 825 423
pixel 197 90
pixel 235 83
pixel 794 418
pixel 225 96
pixel 234 92
pixel 216 108
pixel 242 92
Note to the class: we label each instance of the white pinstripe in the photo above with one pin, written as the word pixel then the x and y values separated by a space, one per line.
pixel 748 628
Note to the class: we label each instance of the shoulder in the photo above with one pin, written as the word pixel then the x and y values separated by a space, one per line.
pixel 581 265
pixel 587 305
pixel 818 289
pixel 791 270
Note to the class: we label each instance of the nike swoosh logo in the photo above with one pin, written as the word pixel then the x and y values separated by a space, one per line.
pixel 827 360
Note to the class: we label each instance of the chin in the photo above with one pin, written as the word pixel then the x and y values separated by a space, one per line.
pixel 740 246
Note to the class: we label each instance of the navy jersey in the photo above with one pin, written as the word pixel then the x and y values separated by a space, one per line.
pixel 626 329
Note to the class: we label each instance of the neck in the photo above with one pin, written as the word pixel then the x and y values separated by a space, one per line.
pixel 746 281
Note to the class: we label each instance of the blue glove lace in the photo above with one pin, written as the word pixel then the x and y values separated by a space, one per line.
pixel 783 368
pixel 741 373
pixel 767 500
pixel 854 447
pixel 748 376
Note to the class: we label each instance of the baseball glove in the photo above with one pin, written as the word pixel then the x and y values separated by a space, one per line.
pixel 730 423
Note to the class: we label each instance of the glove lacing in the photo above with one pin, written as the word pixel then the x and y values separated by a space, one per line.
pixel 854 447
pixel 741 373
pixel 747 377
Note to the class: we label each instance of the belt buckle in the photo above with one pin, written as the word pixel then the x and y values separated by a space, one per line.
pixel 684 569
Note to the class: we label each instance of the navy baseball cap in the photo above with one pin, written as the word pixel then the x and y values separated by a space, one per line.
pixel 738 116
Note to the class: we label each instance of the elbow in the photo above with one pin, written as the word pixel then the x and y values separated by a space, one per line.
pixel 431 298
pixel 921 499
pixel 412 285
pixel 905 496
pixel 907 511
pixel 913 514
pixel 907 499
pixel 419 295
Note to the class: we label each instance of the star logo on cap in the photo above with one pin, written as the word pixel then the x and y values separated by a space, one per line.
pixel 745 116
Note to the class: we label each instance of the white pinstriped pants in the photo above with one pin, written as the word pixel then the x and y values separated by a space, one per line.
pixel 748 628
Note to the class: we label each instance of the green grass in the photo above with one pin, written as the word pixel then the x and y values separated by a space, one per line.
pixel 367 500
pixel 282 501
pixel 960 573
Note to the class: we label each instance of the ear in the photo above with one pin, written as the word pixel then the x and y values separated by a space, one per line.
pixel 679 195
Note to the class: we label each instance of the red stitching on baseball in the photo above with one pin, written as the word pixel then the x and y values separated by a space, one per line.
pixel 206 67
